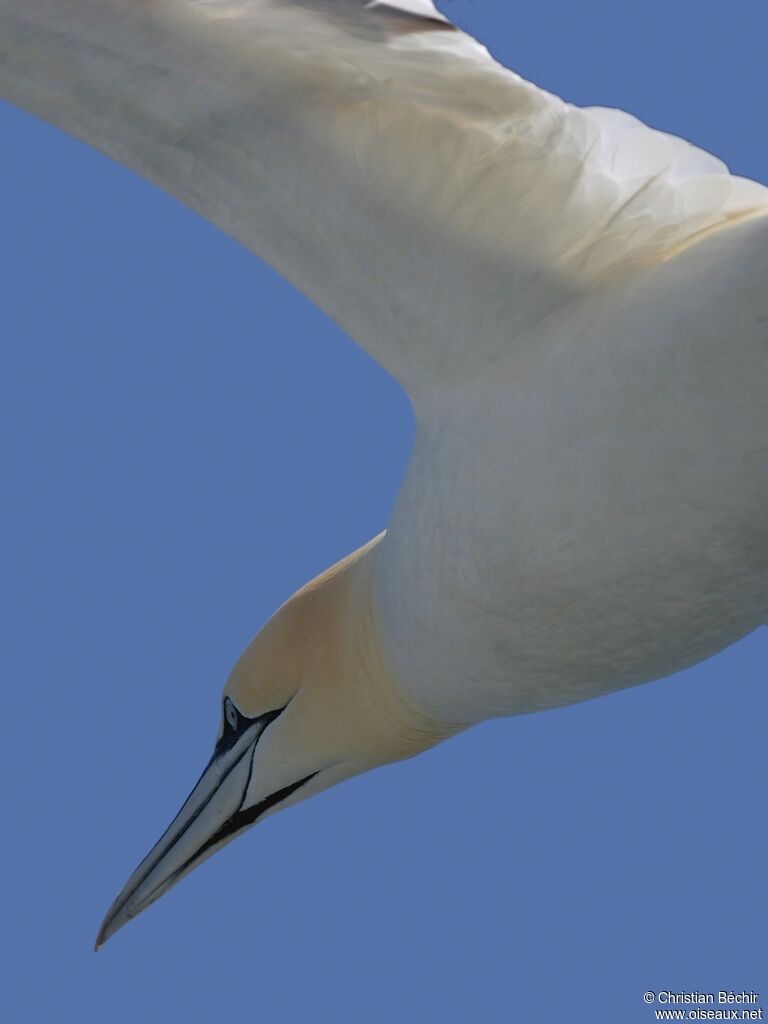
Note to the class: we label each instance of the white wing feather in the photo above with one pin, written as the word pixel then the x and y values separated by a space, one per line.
pixel 430 200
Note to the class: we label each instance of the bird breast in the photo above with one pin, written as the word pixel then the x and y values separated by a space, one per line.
pixel 590 512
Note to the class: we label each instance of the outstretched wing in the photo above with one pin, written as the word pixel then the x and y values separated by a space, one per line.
pixel 431 201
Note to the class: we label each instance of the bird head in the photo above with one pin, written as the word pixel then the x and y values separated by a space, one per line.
pixel 309 704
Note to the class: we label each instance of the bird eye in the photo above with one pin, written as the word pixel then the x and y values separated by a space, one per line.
pixel 230 713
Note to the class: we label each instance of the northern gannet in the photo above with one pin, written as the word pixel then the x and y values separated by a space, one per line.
pixel 576 305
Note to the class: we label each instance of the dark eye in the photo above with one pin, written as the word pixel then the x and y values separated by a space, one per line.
pixel 236 726
pixel 231 714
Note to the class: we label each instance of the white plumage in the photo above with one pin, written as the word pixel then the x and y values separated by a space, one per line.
pixel 575 303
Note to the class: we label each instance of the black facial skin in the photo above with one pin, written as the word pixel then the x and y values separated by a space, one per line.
pixel 242 819
pixel 235 724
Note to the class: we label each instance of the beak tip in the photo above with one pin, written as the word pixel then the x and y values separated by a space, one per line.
pixel 108 928
pixel 102 937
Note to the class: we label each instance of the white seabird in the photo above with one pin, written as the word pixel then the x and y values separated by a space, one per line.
pixel 576 305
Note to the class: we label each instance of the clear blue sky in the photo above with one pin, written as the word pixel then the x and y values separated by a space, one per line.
pixel 185 440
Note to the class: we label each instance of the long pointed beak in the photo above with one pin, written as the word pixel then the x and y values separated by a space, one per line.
pixel 213 814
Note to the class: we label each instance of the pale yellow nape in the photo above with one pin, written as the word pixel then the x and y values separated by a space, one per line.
pixel 319 657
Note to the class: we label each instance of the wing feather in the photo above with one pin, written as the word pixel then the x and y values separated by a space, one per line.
pixel 418 191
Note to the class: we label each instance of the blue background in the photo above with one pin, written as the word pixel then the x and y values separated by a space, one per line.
pixel 185 440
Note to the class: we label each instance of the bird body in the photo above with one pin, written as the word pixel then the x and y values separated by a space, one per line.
pixel 588 513
pixel 575 304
